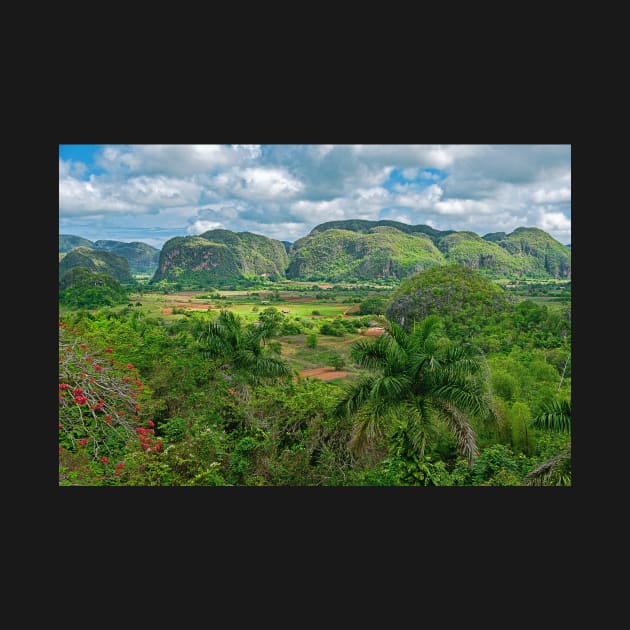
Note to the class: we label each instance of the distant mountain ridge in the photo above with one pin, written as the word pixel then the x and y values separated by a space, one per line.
pixel 142 258
pixel 96 260
pixel 352 250
pixel 361 250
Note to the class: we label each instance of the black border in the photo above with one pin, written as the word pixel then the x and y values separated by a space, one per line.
pixel 298 518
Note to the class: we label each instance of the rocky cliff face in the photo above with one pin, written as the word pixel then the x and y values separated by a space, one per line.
pixel 220 256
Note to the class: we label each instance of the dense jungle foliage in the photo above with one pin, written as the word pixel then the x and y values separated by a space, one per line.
pixel 449 381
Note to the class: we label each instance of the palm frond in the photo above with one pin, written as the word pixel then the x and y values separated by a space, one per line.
pixel 423 330
pixel 556 416
pixel 369 354
pixel 420 427
pixel 397 333
pixel 390 388
pixel 551 473
pixel 365 430
pixel 215 346
pixel 463 360
pixel 467 398
pixel 459 426
pixel 354 397
pixel 271 367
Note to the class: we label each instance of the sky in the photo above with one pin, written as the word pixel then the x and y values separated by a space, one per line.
pixel 154 192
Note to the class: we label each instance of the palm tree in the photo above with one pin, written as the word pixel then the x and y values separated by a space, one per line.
pixel 555 416
pixel 243 348
pixel 423 378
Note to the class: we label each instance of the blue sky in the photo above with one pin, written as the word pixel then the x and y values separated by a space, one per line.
pixel 154 192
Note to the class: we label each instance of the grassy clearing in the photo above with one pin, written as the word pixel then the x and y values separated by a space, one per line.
pixel 300 357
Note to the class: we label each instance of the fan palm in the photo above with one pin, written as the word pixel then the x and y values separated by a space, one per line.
pixel 243 348
pixel 555 416
pixel 422 378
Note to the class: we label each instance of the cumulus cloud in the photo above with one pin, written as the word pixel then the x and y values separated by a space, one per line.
pixel 256 183
pixel 175 159
pixel 554 221
pixel 198 227
pixel 143 194
pixel 559 194
pixel 285 190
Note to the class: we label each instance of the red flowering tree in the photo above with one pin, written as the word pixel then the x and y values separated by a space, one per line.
pixel 102 403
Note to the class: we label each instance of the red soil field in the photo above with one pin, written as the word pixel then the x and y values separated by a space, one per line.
pixel 324 374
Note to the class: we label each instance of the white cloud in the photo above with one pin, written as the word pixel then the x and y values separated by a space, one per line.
pixel 256 183
pixel 285 190
pixel 199 227
pixel 142 194
pixel 554 221
pixel 551 196
pixel 175 159
pixel 424 199
pixel 463 207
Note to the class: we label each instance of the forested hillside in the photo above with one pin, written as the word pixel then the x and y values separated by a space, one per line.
pixel 337 251
pixel 142 257
pixel 96 260
pixel 220 256
pixel 448 380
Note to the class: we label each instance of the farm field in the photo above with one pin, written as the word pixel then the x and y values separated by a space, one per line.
pixel 306 362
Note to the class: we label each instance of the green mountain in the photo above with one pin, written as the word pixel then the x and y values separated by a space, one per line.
pixel 360 225
pixel 382 252
pixel 142 258
pixel 69 241
pixel 469 249
pixel 456 293
pixel 219 256
pixel 535 252
pixel 524 252
pixel 335 251
pixel 82 288
pixel 96 260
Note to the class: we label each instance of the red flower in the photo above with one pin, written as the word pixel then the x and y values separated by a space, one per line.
pixel 83 346
pixel 77 390
pixel 120 466
pixel 130 366
pixel 108 418
pixel 98 368
pixel 151 423
pixel 89 359
pixel 80 400
pixel 60 425
pixel 108 350
pixel 60 448
pixel 64 386
pixel 104 460
pixel 82 442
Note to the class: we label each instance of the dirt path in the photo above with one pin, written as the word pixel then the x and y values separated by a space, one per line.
pixel 324 373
